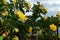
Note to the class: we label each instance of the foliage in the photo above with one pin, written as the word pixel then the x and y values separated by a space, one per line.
pixel 15 25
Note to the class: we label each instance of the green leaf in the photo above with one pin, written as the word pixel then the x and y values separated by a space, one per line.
pixel 1 37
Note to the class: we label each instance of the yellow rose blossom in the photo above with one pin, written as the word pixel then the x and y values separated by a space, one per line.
pixel 14 1
pixel 2 21
pixel 16 38
pixel 20 15
pixel 4 1
pixel 5 13
pixel 44 18
pixel 30 29
pixel 16 30
pixel 41 7
pixel 28 6
pixel 37 32
pixel 46 11
pixel 17 11
pixel 53 27
pixel 58 14
pixel 40 31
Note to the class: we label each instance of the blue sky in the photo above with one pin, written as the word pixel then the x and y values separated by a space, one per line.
pixel 53 6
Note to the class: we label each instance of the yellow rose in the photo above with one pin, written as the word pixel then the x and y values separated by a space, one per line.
pixel 4 2
pixel 17 11
pixel 16 30
pixel 16 38
pixel 4 13
pixel 53 27
pixel 26 18
pixel 44 18
pixel 30 29
pixel 40 31
pixel 14 1
pixel 46 11
pixel 21 15
pixel 28 6
pixel 58 14
pixel 2 21
pixel 41 7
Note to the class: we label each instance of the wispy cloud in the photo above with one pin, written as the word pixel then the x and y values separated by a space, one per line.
pixel 51 2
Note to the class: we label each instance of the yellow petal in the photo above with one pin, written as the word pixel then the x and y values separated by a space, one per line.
pixel 28 5
pixel 2 20
pixel 16 29
pixel 4 13
pixel 20 15
pixel 14 1
pixel 4 2
pixel 30 29
pixel 45 18
pixel 53 27
pixel 46 11
pixel 17 11
pixel 58 14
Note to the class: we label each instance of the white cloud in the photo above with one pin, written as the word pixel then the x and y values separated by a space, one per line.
pixel 50 2
pixel 53 9
pixel 27 0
